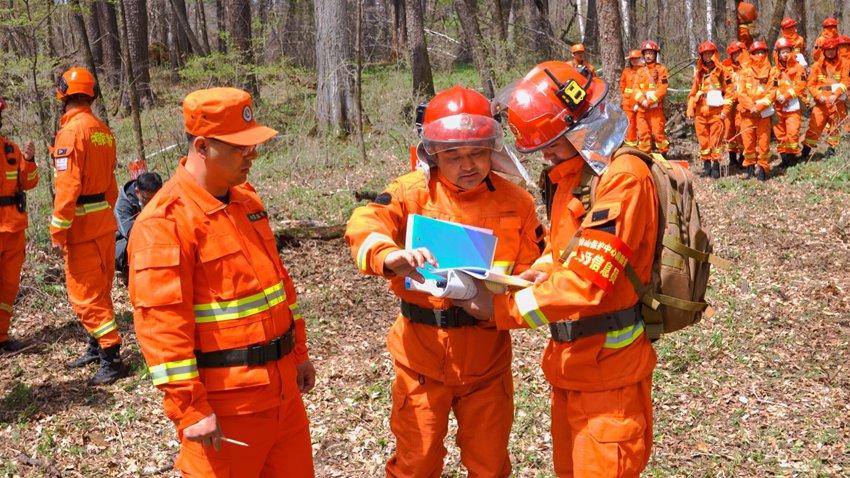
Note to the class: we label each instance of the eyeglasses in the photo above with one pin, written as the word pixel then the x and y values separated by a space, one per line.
pixel 245 150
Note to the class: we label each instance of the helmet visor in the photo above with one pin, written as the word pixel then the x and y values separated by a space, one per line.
pixel 599 134
pixel 462 130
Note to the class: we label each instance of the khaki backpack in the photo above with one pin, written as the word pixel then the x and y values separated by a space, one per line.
pixel 675 295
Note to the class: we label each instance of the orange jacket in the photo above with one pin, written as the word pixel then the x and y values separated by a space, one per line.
pixel 795 38
pixel 623 222
pixel 705 80
pixel 454 356
pixel 586 64
pixel 756 87
pixel 825 34
pixel 650 83
pixel 19 175
pixel 824 75
pixel 84 163
pixel 627 79
pixel 734 70
pixel 207 276
pixel 789 81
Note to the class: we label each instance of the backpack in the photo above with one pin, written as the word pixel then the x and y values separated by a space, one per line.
pixel 675 296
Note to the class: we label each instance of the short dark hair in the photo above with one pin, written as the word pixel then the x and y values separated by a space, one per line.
pixel 149 182
pixel 190 138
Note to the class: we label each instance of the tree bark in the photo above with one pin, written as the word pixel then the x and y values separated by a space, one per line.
pixel 137 35
pixel 538 21
pixel 240 31
pixel 775 20
pixel 221 23
pixel 110 42
pixel 178 11
pixel 82 35
pixel 709 20
pixel 611 44
pixel 400 26
pixel 591 27
pixel 202 25
pixel 423 81
pixel 93 30
pixel 467 15
pixel 582 19
pixel 336 107
pixel 183 22
pixel 134 97
pixel 173 52
pixel 625 12
pixel 689 22
pixel 845 17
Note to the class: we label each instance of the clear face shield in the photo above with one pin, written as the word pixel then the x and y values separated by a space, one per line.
pixel 598 135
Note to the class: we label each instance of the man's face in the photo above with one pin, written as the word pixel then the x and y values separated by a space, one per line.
pixel 830 53
pixel 465 167
pixel 784 54
pixel 649 56
pixel 559 151
pixel 707 56
pixel 758 54
pixel 635 62
pixel 227 162
pixel 144 196
pixel 579 56
pixel 736 56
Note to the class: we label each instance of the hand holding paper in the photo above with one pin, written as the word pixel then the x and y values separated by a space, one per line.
pixel 404 262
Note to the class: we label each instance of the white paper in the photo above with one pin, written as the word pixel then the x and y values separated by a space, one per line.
pixel 767 113
pixel 455 286
pixel 714 98
pixel 791 105
pixel 836 86
pixel 801 59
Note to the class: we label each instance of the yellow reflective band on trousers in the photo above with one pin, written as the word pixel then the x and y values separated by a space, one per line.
pixel 59 223
pixel 12 175
pixel 371 240
pixel 5 307
pixel 173 371
pixel 617 339
pixel 527 305
pixel 296 311
pixel 84 209
pixel 104 329
pixel 240 308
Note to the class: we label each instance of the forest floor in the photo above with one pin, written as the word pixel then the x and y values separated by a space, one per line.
pixel 760 389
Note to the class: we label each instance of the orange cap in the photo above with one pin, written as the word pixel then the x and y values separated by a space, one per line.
pixel 634 55
pixel 226 114
pixel 577 48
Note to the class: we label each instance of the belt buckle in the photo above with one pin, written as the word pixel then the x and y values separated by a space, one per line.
pixel 256 355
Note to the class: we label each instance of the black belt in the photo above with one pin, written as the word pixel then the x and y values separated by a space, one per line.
pixel 569 330
pixel 8 200
pixel 252 356
pixel 90 198
pixel 445 319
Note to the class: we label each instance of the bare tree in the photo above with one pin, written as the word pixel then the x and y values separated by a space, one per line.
pixel 336 107
pixel 611 44
pixel 423 82
pixel 202 25
pixel 625 12
pixel 240 31
pixel 591 29
pixel 134 97
pixel 538 21
pixel 400 26
pixel 775 20
pixel 93 30
pixel 110 41
pixel 709 20
pixel 582 19
pixel 221 23
pixel 183 22
pixel 137 35
pixel 85 46
pixel 466 13
pixel 845 16
pixel 689 22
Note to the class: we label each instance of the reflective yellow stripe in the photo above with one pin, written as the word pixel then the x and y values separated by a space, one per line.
pixel 32 175
pixel 526 303
pixel 617 339
pixel 104 329
pixel 6 307
pixel 59 223
pixel 505 267
pixel 84 209
pixel 173 371
pixel 12 175
pixel 240 308
pixel 296 311
pixel 371 240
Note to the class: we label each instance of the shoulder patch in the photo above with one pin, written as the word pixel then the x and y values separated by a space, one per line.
pixel 256 216
pixel 61 152
pixel 60 164
pixel 383 199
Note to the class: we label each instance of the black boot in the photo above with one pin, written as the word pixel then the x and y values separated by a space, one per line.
pixel 90 355
pixel 804 154
pixel 751 171
pixel 787 160
pixel 830 152
pixel 760 174
pixel 715 169
pixel 11 345
pixel 111 366
pixel 733 158
pixel 706 169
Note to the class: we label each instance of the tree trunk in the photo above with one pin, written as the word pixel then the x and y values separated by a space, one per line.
pixel 179 15
pixel 611 44
pixel 689 22
pixel 82 35
pixel 560 19
pixel 221 23
pixel 538 21
pixel 467 15
pixel 134 97
pixel 627 22
pixel 423 81
pixel 775 20
pixel 845 17
pixel 591 28
pixel 582 20
pixel 173 52
pixel 202 25
pixel 335 104
pixel 240 31
pixel 709 20
pixel 499 19
pixel 110 42
pixel 93 30
pixel 183 22
pixel 399 34
pixel 137 34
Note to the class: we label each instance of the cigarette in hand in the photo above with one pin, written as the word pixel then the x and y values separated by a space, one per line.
pixel 235 442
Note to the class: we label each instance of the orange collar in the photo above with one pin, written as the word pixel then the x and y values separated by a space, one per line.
pixel 200 196
pixel 567 168
pixel 74 112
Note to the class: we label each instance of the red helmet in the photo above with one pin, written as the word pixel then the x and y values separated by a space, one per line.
pixel 459 117
pixel 577 48
pixel 830 23
pixel 707 46
pixel 549 101
pixel 758 45
pixel 649 45
pixel 76 80
pixel 735 47
pixel 783 42
pixel 830 43
pixel 788 23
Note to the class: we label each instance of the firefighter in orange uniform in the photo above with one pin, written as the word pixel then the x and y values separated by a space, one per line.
pixel 755 99
pixel 738 59
pixel 599 361
pixel 789 32
pixel 790 80
pixel 828 83
pixel 215 309
pixel 20 174
pixel 83 225
pixel 747 16
pixel 650 89
pixel 578 60
pixel 709 103
pixel 830 30
pixel 627 80
pixel 446 360
pixel 844 55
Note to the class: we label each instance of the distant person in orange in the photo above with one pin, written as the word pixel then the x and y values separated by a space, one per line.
pixel 747 28
pixel 627 80
pixel 578 60
pixel 828 84
pixel 215 309
pixel 709 104
pixel 789 32
pixel 734 64
pixel 20 174
pixel 445 360
pixel 83 226
pixel 755 99
pixel 844 55
pixel 790 80
pixel 650 87
pixel 830 30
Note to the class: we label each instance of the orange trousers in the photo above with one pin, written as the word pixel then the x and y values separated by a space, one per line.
pixel 89 269
pixel 602 434
pixel 787 132
pixel 650 130
pixel 12 252
pixel 631 133
pixel 278 445
pixel 821 118
pixel 842 113
pixel 709 129
pixel 732 128
pixel 756 138
pixel 420 420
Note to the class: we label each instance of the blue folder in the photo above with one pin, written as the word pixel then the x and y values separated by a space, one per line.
pixel 454 245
